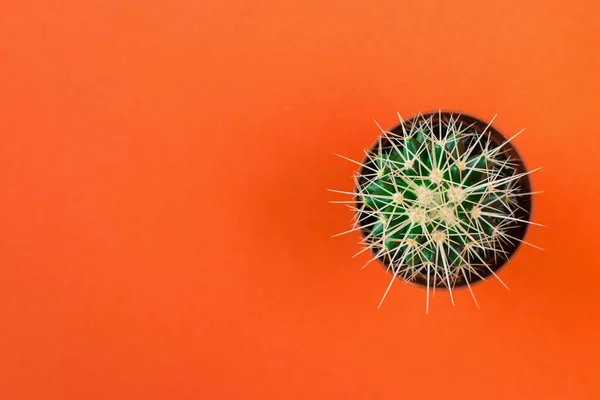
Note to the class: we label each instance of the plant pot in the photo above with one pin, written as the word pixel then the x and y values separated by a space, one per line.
pixel 518 229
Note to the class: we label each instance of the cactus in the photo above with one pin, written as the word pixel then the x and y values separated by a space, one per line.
pixel 441 202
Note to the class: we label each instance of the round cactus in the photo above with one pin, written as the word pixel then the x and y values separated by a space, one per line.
pixel 442 200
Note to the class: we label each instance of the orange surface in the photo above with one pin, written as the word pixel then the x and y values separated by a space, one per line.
pixel 165 229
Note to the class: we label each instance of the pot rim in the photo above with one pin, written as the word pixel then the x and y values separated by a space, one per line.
pixel 493 268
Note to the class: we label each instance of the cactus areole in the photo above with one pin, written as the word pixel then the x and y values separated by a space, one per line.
pixel 443 200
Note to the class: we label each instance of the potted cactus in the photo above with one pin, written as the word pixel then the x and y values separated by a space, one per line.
pixel 442 200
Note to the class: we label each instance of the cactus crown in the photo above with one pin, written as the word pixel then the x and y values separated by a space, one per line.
pixel 441 202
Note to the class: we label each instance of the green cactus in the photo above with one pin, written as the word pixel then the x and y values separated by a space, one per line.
pixel 439 202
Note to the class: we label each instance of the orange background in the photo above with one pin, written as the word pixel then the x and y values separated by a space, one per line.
pixel 165 229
